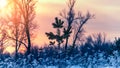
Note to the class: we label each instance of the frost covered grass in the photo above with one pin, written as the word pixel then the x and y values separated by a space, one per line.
pixel 92 54
pixel 98 60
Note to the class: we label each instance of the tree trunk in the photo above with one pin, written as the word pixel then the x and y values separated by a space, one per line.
pixel 68 29
pixel 28 39
pixel 66 43
pixel 76 36
pixel 16 53
pixel 16 41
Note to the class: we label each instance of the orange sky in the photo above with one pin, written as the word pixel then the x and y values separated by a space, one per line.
pixel 106 16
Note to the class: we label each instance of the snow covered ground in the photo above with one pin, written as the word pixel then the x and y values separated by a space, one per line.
pixel 111 62
pixel 62 67
pixel 98 60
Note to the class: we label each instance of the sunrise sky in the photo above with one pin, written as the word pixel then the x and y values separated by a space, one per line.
pixel 107 14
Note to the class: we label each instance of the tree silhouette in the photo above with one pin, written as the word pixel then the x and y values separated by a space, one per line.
pixel 81 21
pixel 3 35
pixel 3 40
pixel 26 11
pixel 117 44
pixel 69 16
pixel 72 18
pixel 28 16
pixel 58 25
pixel 16 28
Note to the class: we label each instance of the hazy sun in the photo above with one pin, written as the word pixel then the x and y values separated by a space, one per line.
pixel 3 3
pixel 9 49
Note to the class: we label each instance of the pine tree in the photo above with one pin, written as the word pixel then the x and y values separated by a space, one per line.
pixel 58 25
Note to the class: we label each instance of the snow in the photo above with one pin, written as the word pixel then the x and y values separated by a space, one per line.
pixel 97 60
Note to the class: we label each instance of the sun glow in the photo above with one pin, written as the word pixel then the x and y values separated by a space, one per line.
pixel 9 49
pixel 3 3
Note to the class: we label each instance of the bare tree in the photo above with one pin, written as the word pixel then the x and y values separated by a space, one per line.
pixel 27 11
pixel 69 16
pixel 22 20
pixel 15 27
pixel 72 18
pixel 81 21
pixel 3 35
pixel 3 40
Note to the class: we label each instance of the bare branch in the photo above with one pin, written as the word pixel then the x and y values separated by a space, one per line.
pixel 18 41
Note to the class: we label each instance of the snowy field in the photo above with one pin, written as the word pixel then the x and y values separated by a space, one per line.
pixel 34 64
pixel 74 66
pixel 98 61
